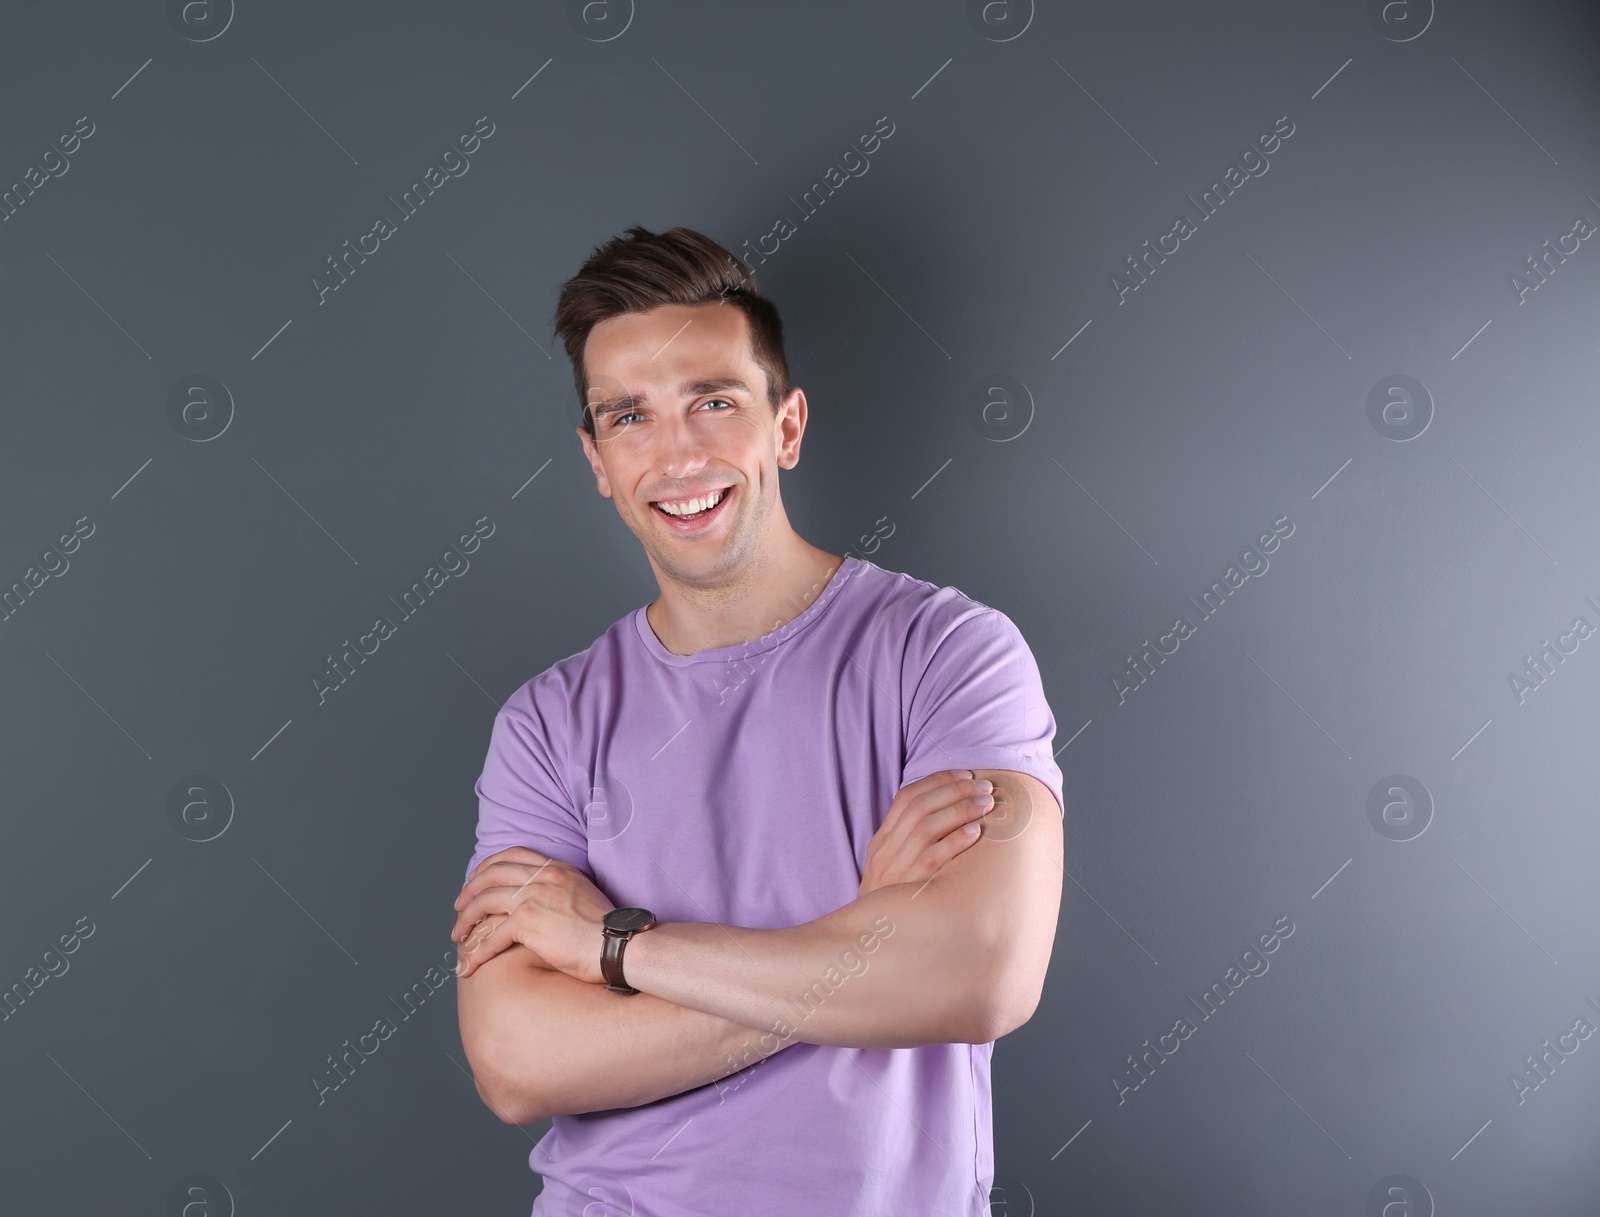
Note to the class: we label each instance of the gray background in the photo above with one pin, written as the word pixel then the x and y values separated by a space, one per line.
pixel 1033 152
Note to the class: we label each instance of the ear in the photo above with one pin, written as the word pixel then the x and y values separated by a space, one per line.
pixel 791 426
pixel 591 452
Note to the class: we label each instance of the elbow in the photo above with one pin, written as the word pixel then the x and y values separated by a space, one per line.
pixel 1005 996
pixel 995 1018
pixel 512 1104
pixel 504 1093
pixel 519 1074
pixel 522 1115
pixel 517 1100
pixel 1008 1017
pixel 509 1105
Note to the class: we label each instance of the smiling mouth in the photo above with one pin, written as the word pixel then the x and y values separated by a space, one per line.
pixel 716 499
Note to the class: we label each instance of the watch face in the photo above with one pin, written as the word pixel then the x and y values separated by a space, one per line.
pixel 628 919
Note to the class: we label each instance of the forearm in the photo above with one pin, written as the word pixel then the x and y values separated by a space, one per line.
pixel 887 970
pixel 542 1043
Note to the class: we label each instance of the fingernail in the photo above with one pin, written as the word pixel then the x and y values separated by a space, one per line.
pixel 963 773
pixel 971 829
pixel 985 786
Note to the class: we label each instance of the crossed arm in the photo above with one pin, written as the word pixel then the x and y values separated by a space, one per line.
pixel 959 957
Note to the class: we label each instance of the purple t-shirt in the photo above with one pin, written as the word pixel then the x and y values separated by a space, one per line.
pixel 741 785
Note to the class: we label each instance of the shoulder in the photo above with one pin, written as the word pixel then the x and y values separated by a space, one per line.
pixel 926 614
pixel 549 698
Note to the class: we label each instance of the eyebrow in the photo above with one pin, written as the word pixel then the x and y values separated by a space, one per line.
pixel 689 388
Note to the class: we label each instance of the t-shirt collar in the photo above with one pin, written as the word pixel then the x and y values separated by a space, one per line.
pixel 847 570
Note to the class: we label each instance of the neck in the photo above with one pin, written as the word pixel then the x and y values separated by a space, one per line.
pixel 774 587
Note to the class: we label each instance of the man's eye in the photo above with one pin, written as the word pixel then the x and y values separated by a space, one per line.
pixel 618 423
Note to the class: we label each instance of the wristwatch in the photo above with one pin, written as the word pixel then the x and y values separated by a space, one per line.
pixel 619 926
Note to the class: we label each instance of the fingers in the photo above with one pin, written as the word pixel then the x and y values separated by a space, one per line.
pixel 486 941
pixel 468 920
pixel 934 856
pixel 502 868
pixel 946 832
pixel 495 900
pixel 966 814
pixel 1012 814
pixel 929 846
pixel 933 827
pixel 932 801
pixel 509 883
pixel 908 794
pixel 941 797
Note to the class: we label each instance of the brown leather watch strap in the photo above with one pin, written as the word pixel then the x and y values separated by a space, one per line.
pixel 611 954
pixel 611 962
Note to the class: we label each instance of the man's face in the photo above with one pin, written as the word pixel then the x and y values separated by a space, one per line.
pixel 681 413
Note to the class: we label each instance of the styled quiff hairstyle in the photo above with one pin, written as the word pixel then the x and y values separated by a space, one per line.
pixel 642 270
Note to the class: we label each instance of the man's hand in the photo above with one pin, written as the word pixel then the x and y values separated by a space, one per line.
pixel 930 821
pixel 481 932
pixel 522 896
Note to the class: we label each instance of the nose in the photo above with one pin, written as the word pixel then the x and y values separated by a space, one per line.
pixel 679 451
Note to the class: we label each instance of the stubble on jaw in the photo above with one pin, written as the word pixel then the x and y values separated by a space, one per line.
pixel 749 575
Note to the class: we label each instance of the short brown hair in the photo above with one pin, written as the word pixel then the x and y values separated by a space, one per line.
pixel 642 270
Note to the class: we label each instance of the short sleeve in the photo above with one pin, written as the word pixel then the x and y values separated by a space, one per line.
pixel 521 799
pixel 980 704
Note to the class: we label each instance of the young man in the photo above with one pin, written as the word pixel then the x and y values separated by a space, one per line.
pixel 771 768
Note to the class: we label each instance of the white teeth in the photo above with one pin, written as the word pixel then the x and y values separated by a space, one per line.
pixel 693 505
